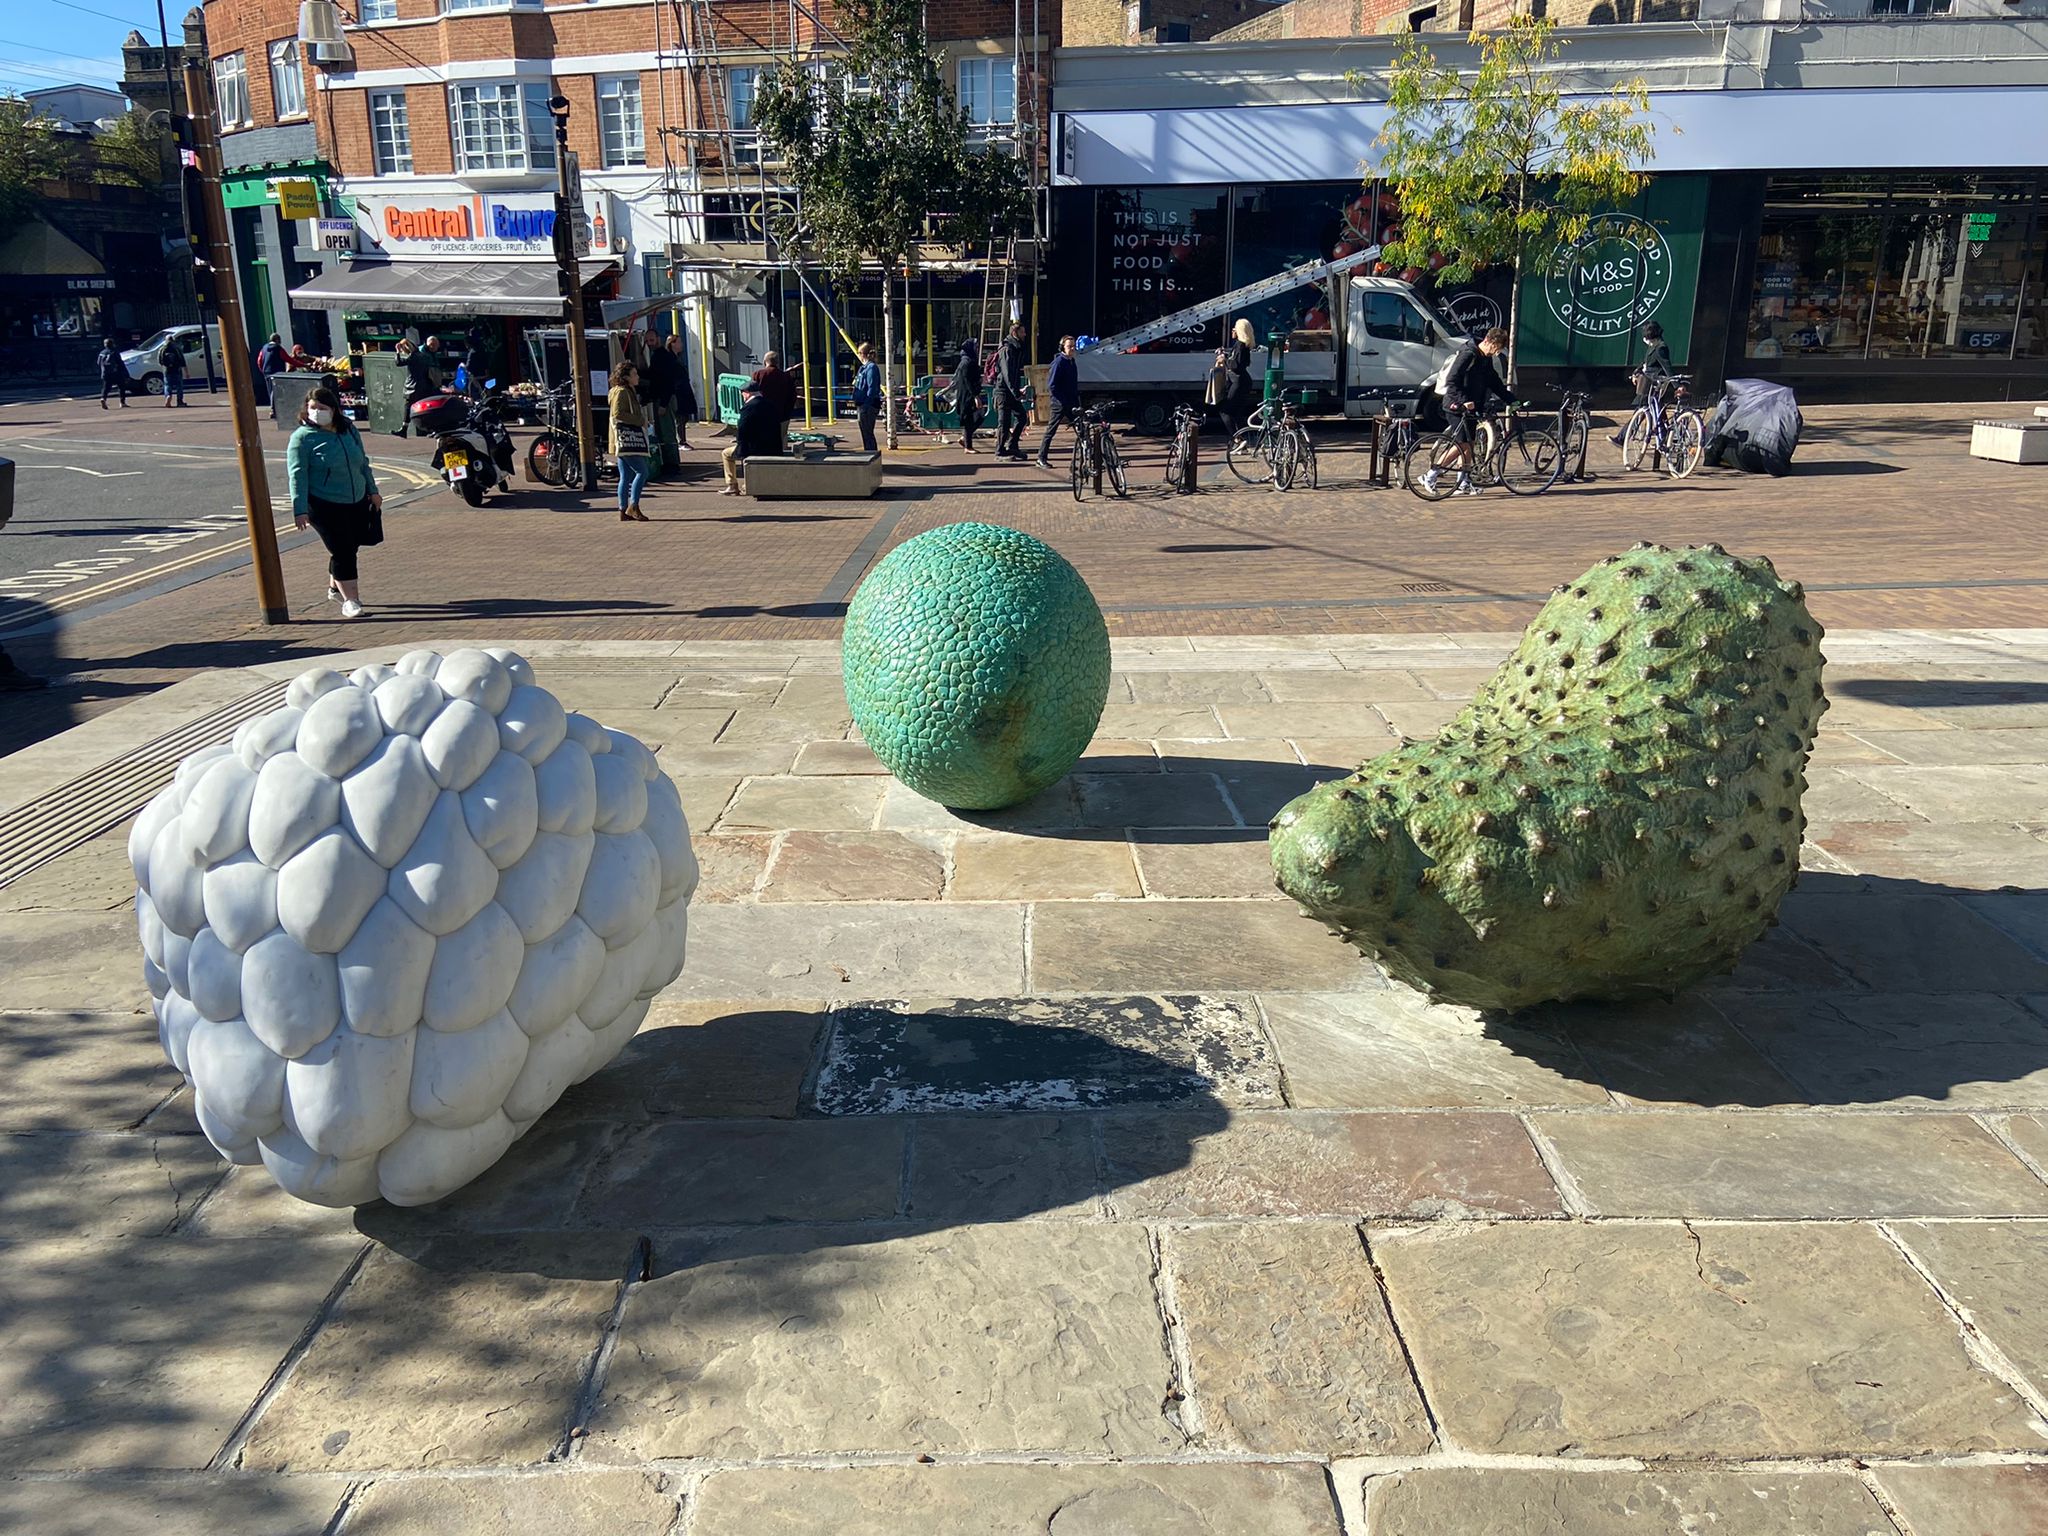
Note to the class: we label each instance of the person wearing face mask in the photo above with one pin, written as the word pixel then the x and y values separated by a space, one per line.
pixel 333 492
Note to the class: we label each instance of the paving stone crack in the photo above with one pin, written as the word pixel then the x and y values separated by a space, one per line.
pixel 639 1270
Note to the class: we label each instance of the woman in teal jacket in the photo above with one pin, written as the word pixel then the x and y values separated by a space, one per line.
pixel 333 491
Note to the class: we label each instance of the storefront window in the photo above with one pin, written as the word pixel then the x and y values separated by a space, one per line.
pixel 1159 249
pixel 502 127
pixel 1897 267
pixel 1280 226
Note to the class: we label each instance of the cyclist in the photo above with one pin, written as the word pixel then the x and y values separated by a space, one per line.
pixel 1653 375
pixel 1470 382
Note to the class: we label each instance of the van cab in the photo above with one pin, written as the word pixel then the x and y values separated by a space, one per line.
pixel 145 362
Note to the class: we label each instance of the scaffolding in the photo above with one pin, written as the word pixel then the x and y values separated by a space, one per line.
pixel 723 200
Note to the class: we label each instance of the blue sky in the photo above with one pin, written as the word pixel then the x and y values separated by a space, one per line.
pixel 49 42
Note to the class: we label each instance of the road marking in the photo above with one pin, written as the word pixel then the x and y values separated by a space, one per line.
pixel 97 474
pixel 68 573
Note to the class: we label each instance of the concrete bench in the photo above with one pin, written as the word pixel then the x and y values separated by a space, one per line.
pixel 818 477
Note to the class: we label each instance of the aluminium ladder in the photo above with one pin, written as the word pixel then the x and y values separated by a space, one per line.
pixel 1238 298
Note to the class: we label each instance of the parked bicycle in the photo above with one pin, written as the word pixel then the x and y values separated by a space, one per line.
pixel 1666 429
pixel 555 457
pixel 1181 458
pixel 1095 454
pixel 1397 439
pixel 1506 451
pixel 1273 447
pixel 1573 429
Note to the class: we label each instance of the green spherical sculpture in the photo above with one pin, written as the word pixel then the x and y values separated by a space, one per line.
pixel 977 665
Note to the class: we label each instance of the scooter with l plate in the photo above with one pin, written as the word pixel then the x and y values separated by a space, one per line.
pixel 473 451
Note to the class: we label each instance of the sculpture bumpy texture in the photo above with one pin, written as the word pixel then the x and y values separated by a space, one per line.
pixel 977 665
pixel 1615 814
pixel 389 925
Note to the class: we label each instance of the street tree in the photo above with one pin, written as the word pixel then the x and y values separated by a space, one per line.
pixel 32 151
pixel 1496 164
pixel 883 159
pixel 130 153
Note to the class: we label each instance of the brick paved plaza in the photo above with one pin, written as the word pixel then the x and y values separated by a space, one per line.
pixel 1045 1171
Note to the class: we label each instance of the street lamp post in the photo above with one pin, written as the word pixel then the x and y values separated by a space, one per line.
pixel 234 355
pixel 570 277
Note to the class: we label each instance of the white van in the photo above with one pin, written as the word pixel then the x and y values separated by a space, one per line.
pixel 145 363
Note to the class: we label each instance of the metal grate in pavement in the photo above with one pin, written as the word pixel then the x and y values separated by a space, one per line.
pixel 52 824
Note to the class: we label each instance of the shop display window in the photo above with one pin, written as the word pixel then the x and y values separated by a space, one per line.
pixel 1898 267
pixel 1159 249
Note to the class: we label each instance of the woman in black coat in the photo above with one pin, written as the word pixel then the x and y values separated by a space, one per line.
pixel 967 391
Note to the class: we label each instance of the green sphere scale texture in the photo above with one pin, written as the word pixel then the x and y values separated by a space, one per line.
pixel 1614 815
pixel 977 665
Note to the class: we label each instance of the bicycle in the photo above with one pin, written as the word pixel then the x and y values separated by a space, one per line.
pixel 1181 458
pixel 1272 447
pixel 1675 433
pixel 1095 454
pixel 556 457
pixel 1574 428
pixel 1398 441
pixel 1506 451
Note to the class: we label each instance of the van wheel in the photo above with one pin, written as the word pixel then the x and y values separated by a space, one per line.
pixel 1153 414
pixel 153 383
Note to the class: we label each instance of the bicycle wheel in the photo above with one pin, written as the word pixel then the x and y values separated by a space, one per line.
pixel 1635 440
pixel 1531 463
pixel 1687 445
pixel 1486 446
pixel 1576 434
pixel 1080 468
pixel 1286 458
pixel 1247 456
pixel 1423 471
pixel 1113 466
pixel 1304 458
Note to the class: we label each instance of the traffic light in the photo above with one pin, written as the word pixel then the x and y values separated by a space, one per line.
pixel 203 283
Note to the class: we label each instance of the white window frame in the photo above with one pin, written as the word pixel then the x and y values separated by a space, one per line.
pixel 746 137
pixel 287 77
pixel 390 133
pixel 489 5
pixel 521 140
pixel 621 129
pixel 231 90
pixel 376 10
pixel 980 93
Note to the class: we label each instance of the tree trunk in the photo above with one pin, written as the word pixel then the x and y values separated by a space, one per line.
pixel 888 366
pixel 1515 317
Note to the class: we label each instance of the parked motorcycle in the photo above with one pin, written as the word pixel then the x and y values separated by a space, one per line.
pixel 473 451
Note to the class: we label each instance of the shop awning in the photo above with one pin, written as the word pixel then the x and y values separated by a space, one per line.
pixel 35 249
pixel 443 287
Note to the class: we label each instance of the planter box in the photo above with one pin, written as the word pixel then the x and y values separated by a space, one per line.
pixel 827 477
pixel 2010 442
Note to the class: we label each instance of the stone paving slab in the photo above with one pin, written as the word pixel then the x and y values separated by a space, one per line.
pixel 1673 1341
pixel 1968 1501
pixel 565 1503
pixel 1666 1502
pixel 1895 1048
pixel 452 1352
pixel 72 1071
pixel 1789 1167
pixel 1043 1337
pixel 144 1354
pixel 1997 1274
pixel 208 1505
pixel 1157 1500
pixel 55 960
pixel 102 1186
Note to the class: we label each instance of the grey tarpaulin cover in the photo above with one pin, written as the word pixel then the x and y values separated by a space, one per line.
pixel 1756 427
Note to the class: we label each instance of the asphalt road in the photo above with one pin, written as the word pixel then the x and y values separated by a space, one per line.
pixel 98 516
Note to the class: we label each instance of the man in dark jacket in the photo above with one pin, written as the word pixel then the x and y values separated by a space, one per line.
pixel 967 391
pixel 271 360
pixel 778 387
pixel 1063 383
pixel 113 374
pixel 658 392
pixel 422 377
pixel 1010 412
pixel 757 434
pixel 1470 384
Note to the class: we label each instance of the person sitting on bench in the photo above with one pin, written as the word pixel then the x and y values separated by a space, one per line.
pixel 758 431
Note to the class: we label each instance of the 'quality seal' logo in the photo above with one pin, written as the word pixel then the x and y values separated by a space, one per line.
pixel 1611 279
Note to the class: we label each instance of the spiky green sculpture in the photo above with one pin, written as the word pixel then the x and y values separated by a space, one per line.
pixel 1614 815
pixel 977 665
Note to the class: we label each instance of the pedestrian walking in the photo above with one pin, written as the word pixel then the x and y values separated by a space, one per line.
pixel 629 440
pixel 1010 412
pixel 686 393
pixel 334 492
pixel 271 360
pixel 658 394
pixel 1063 383
pixel 172 362
pixel 757 434
pixel 1237 373
pixel 113 374
pixel 867 394
pixel 967 391
pixel 778 387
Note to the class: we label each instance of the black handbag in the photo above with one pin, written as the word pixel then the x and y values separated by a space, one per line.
pixel 373 523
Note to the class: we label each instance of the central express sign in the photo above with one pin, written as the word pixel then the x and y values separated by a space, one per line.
pixel 524 226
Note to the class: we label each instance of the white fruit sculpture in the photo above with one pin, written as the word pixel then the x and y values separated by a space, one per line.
pixel 389 925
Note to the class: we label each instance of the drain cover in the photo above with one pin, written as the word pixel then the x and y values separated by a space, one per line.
pixel 1424 586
